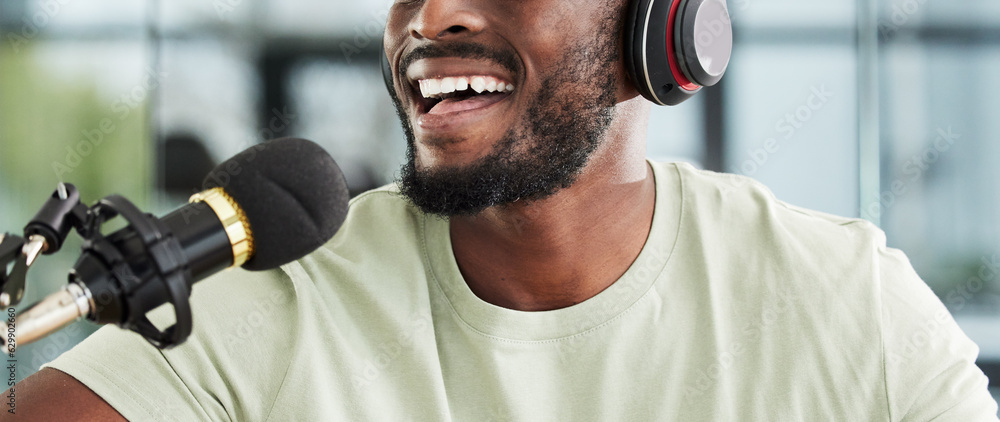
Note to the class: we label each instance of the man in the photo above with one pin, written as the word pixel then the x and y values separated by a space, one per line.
pixel 571 279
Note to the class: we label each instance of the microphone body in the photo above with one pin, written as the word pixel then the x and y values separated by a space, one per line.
pixel 205 248
pixel 289 190
pixel 202 237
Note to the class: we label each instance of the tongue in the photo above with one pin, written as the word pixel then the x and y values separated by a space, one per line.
pixel 455 105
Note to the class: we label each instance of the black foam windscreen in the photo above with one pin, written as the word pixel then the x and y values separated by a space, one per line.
pixel 293 194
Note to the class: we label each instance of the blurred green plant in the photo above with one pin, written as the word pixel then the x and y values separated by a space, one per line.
pixel 51 130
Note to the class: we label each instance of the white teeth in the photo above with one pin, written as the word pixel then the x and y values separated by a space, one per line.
pixel 447 85
pixel 478 84
pixel 434 88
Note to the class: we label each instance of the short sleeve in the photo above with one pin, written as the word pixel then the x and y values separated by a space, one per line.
pixel 930 364
pixel 132 376
pixel 224 371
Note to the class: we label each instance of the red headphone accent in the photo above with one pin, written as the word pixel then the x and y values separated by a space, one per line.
pixel 675 68
pixel 665 58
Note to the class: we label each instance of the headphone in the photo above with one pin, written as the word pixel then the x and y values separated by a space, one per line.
pixel 673 48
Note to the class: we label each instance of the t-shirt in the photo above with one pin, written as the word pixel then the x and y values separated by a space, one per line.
pixel 739 307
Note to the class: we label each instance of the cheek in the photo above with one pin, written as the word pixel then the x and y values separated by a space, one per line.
pixel 556 35
pixel 396 28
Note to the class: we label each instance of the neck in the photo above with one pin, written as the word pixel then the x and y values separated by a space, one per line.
pixel 564 249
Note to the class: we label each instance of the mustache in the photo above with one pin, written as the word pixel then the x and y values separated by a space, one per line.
pixel 505 59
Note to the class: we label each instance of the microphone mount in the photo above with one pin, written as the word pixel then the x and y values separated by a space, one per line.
pixel 106 286
pixel 13 269
pixel 108 276
pixel 45 233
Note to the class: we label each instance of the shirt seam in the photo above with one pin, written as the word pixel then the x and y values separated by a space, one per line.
pixel 101 370
pixel 288 364
pixel 881 325
pixel 185 384
pixel 843 221
pixel 104 371
pixel 387 190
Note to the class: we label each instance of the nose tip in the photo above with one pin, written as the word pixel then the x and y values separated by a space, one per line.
pixel 444 19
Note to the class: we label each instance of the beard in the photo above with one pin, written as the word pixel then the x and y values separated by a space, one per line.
pixel 565 122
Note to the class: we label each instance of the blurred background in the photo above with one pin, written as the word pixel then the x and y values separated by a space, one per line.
pixel 877 109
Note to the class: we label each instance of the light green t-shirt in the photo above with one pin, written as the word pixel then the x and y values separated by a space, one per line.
pixel 740 307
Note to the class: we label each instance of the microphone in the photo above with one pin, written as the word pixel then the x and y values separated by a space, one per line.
pixel 266 206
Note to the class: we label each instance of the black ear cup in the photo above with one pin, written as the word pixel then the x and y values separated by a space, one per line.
pixel 673 48
pixel 386 70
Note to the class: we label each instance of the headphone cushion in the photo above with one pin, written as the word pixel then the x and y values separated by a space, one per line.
pixel 386 70
pixel 658 74
pixel 635 34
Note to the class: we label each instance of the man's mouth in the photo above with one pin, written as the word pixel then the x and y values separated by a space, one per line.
pixel 455 94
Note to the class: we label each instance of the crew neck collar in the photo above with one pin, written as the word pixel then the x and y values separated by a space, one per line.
pixel 512 325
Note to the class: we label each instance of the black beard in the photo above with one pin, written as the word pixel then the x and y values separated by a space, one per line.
pixel 565 123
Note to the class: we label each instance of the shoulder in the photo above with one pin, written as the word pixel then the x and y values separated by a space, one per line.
pixel 740 209
pixel 833 270
pixel 818 294
pixel 379 212
pixel 376 256
pixel 383 234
